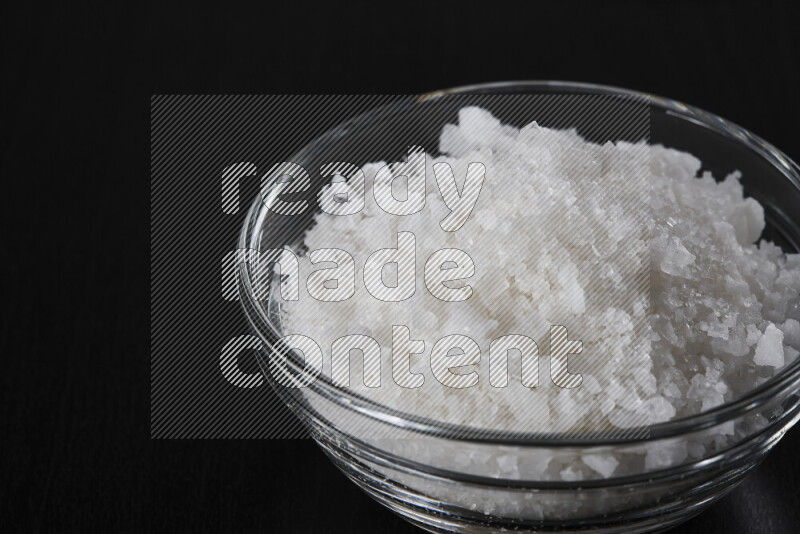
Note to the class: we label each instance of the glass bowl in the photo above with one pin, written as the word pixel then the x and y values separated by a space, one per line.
pixel 415 466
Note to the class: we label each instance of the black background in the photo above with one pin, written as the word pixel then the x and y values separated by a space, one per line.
pixel 76 452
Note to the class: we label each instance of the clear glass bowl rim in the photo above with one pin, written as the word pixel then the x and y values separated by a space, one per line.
pixel 255 312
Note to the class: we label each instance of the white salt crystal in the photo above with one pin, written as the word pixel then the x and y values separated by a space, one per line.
pixel 666 454
pixel 769 350
pixel 791 332
pixel 676 258
pixel 749 221
pixel 753 334
pixel 509 464
pixel 605 464
pixel 657 409
pixel 569 474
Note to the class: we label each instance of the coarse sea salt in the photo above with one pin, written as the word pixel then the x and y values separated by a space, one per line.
pixel 719 301
pixel 722 308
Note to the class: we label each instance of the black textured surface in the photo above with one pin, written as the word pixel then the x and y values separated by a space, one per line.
pixel 74 331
